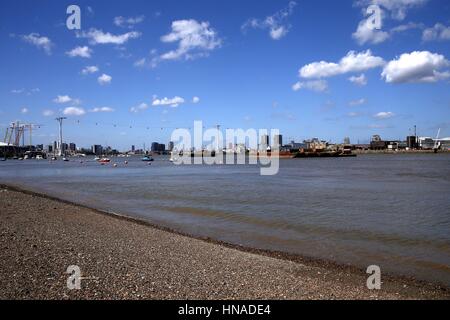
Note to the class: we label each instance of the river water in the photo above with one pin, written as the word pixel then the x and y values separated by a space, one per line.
pixel 387 210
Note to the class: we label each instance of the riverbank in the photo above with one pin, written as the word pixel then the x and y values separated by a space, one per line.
pixel 121 258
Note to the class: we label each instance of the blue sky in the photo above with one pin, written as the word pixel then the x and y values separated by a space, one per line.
pixel 139 69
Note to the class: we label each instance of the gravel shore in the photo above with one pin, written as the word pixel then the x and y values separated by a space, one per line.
pixel 125 259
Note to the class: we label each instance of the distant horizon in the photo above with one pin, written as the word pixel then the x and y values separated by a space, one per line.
pixel 137 70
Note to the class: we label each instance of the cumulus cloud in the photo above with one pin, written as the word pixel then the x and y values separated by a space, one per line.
pixel 141 107
pixel 74 111
pixel 24 110
pixel 438 32
pixel 313 85
pixel 48 113
pixel 96 36
pixel 63 99
pixel 360 80
pixel 90 70
pixel 397 8
pixel 82 52
pixel 128 22
pixel 276 23
pixel 417 66
pixel 39 41
pixel 384 115
pixel 102 109
pixel 104 79
pixel 195 100
pixel 195 39
pixel 365 33
pixel 173 102
pixel 352 62
pixel 358 102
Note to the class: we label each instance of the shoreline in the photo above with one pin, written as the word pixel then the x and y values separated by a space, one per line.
pixel 405 287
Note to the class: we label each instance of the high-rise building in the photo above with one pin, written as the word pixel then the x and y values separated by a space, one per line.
pixel 171 146
pixel 264 142
pixel 158 147
pixel 133 148
pixel 155 147
pixel 97 149
pixel 278 140
pixel 72 147
pixel 346 140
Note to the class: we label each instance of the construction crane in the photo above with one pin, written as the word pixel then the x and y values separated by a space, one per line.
pixel 16 131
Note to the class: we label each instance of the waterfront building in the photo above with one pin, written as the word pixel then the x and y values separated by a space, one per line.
pixel 377 143
pixel 277 141
pixel 97 149
pixel 411 142
pixel 72 147
pixel 315 144
pixel 158 147
pixel 171 146
pixel 264 144
pixel 426 143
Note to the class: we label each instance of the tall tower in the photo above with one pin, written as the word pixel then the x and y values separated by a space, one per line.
pixel 60 121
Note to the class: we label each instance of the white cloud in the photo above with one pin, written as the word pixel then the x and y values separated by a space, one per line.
pixel 74 111
pixel 141 107
pixel 276 24
pixel 353 114
pixel 358 102
pixel 173 102
pixel 140 62
pixel 398 8
pixel 352 62
pixel 83 52
pixel 360 80
pixel 406 27
pixel 48 113
pixel 384 115
pixel 99 37
pixel 313 85
pixel 41 42
pixel 417 66
pixel 17 91
pixel 90 70
pixel 195 100
pixel 195 39
pixel 24 110
pixel 438 32
pixel 63 99
pixel 365 33
pixel 128 22
pixel 104 79
pixel 102 109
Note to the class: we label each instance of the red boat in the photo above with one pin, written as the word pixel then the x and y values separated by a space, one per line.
pixel 104 160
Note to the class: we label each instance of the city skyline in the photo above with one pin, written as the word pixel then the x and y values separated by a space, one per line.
pixel 134 73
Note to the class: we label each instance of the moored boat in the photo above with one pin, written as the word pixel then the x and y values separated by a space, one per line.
pixel 147 159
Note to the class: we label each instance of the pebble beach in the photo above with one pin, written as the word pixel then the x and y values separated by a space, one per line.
pixel 122 258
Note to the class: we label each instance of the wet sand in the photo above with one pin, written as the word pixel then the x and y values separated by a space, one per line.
pixel 121 258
